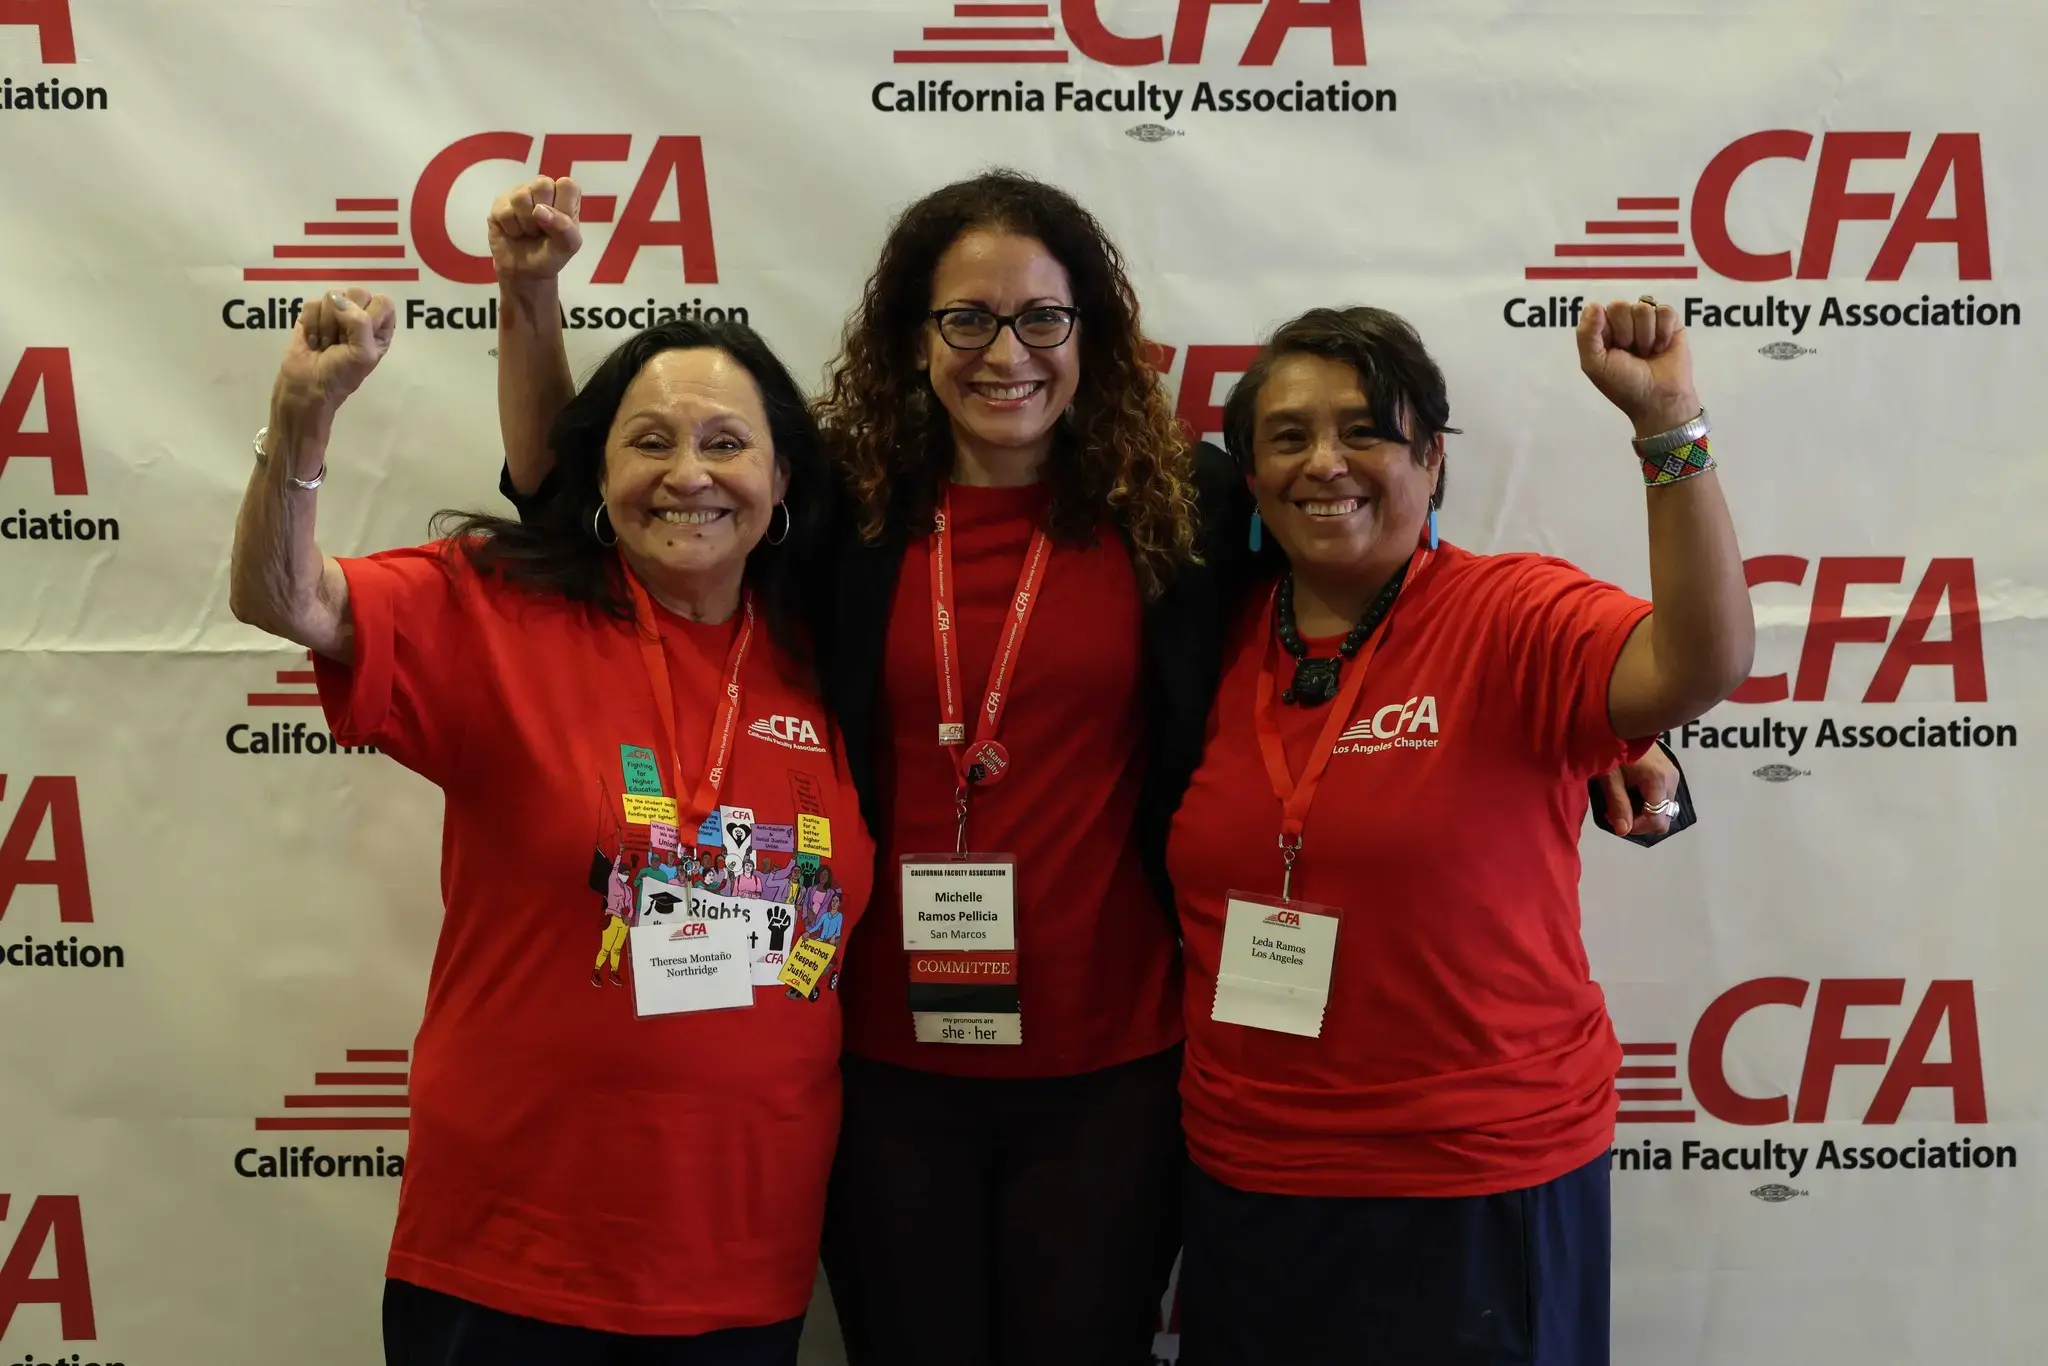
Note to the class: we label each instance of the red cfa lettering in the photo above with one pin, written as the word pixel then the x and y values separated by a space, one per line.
pixel 52 21
pixel 51 1219
pixel 1952 157
pixel 672 162
pixel 1197 410
pixel 1095 41
pixel 1950 581
pixel 1830 1047
pixel 47 368
pixel 52 802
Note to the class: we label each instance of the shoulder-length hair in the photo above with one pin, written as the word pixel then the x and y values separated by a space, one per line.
pixel 555 548
pixel 1119 450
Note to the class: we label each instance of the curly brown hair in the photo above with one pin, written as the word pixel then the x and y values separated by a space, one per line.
pixel 1119 449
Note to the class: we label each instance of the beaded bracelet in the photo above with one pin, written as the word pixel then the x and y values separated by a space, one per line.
pixel 1672 467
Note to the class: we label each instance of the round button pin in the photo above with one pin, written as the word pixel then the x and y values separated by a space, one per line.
pixel 987 762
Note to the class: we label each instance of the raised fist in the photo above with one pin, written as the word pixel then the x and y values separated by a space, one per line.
pixel 534 231
pixel 778 926
pixel 1636 354
pixel 338 341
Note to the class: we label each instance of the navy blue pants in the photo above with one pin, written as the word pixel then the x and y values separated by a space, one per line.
pixel 1517 1279
pixel 427 1328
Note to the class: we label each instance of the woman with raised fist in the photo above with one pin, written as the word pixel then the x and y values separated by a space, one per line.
pixel 1023 604
pixel 1399 1089
pixel 603 1167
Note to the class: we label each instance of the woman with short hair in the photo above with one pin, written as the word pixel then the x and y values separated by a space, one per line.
pixel 1399 1091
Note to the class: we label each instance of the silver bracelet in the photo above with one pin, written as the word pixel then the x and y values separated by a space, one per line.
pixel 263 459
pixel 1663 443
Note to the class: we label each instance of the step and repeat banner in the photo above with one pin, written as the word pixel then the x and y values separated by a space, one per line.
pixel 215 922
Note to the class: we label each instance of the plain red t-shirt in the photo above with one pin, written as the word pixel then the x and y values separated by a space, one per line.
pixel 1096 953
pixel 1465 1049
pixel 567 1160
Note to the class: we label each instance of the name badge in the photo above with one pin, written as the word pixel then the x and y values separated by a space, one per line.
pixel 686 965
pixel 1275 969
pixel 960 937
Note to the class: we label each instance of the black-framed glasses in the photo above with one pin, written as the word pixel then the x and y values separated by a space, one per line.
pixel 971 329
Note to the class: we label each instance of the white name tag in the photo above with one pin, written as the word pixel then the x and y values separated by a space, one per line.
pixel 960 903
pixel 684 965
pixel 771 928
pixel 1276 964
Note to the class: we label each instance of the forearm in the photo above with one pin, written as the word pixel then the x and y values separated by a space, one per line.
pixel 1703 630
pixel 534 383
pixel 1700 639
pixel 278 579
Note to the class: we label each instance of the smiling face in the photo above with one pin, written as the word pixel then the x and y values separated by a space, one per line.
pixel 1004 397
pixel 690 475
pixel 1338 494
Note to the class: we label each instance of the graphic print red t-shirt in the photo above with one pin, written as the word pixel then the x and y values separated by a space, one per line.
pixel 1465 1049
pixel 1097 976
pixel 567 1160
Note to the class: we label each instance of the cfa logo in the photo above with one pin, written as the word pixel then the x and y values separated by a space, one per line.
pixel 793 729
pixel 1290 918
pixel 692 929
pixel 49 803
pixel 52 21
pixel 1654 248
pixel 53 1222
pixel 1396 718
pixel 791 732
pixel 1019 34
pixel 44 370
pixel 1199 407
pixel 1945 581
pixel 1829 1048
pixel 669 163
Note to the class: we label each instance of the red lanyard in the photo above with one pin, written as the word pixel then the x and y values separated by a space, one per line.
pixel 984 761
pixel 705 800
pixel 1297 797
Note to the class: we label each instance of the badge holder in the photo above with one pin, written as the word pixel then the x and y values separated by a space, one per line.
pixel 960 939
pixel 684 966
pixel 1275 968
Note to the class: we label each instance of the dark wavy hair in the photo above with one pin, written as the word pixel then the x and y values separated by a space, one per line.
pixel 1400 379
pixel 556 550
pixel 1121 450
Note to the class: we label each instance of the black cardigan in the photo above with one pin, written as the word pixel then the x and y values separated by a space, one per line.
pixel 1184 630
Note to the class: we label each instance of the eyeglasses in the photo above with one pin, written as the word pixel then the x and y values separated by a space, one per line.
pixel 971 329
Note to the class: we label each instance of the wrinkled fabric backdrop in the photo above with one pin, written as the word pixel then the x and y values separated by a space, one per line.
pixel 215 929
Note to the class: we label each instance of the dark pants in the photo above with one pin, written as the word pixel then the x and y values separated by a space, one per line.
pixel 427 1328
pixel 1518 1279
pixel 1027 1222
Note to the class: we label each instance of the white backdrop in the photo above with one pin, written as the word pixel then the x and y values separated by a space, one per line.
pixel 274 911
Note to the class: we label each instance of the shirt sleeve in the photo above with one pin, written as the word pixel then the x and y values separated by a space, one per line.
pixel 414 630
pixel 1562 631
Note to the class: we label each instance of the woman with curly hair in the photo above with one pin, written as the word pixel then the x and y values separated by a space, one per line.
pixel 1020 622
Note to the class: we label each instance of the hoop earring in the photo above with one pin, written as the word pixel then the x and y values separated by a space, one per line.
pixel 787 522
pixel 597 525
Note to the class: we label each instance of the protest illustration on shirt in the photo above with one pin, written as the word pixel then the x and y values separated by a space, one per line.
pixel 647 871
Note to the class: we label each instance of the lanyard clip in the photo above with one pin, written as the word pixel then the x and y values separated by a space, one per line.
pixel 960 813
pixel 1290 849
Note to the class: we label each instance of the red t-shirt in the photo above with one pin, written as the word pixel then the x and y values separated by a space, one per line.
pixel 1465 1049
pixel 567 1160
pixel 1096 953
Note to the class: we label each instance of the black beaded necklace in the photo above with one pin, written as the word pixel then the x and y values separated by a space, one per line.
pixel 1315 680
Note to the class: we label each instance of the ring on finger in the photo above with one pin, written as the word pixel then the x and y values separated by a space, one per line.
pixel 1666 808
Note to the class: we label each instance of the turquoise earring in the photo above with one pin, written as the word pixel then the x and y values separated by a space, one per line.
pixel 1432 528
pixel 1257 529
